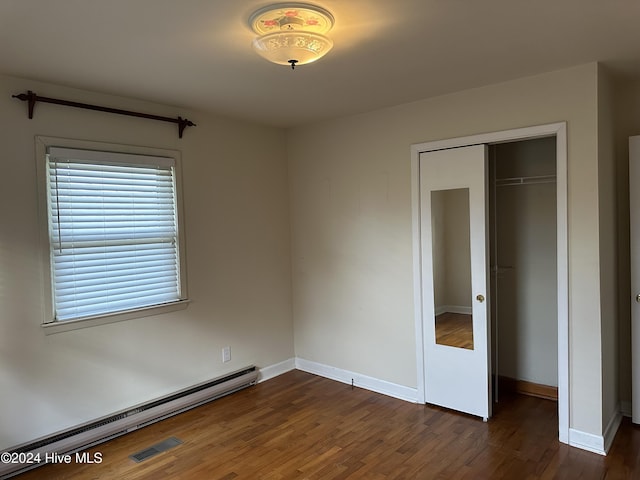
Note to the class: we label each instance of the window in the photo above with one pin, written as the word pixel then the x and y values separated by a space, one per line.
pixel 113 233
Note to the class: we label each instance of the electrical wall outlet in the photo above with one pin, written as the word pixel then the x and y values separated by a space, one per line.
pixel 226 354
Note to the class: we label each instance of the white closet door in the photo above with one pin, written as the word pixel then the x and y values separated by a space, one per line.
pixel 453 199
pixel 634 209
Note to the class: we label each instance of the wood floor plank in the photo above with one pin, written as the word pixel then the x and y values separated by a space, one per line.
pixel 455 330
pixel 299 426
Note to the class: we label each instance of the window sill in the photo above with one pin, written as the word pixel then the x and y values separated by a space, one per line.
pixel 68 325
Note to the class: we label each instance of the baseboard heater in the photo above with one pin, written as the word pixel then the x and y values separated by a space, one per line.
pixel 111 426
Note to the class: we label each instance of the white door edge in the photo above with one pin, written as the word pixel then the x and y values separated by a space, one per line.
pixel 634 229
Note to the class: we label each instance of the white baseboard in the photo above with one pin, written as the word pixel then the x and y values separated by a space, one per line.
pixel 599 444
pixel 587 441
pixel 272 371
pixel 362 381
pixel 625 408
pixel 453 309
pixel 612 429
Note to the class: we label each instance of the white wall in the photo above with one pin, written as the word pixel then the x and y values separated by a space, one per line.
pixel 351 225
pixel 627 116
pixel 458 248
pixel 451 249
pixel 238 264
pixel 608 248
pixel 438 239
pixel 627 123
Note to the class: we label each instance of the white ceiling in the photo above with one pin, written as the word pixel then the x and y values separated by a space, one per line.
pixel 197 53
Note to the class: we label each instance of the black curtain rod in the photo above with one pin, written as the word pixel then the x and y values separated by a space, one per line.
pixel 32 98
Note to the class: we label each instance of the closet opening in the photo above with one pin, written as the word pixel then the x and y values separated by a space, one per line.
pixel 514 342
pixel 523 265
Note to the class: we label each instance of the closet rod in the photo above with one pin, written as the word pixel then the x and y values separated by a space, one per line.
pixel 534 180
pixel 32 98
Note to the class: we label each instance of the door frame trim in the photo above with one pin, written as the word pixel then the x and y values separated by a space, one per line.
pixel 558 130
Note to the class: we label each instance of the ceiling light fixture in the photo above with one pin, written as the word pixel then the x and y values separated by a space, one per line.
pixel 292 33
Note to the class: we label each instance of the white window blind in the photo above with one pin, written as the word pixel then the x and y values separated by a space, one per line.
pixel 113 232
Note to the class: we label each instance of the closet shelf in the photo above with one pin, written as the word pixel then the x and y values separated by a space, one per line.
pixel 535 180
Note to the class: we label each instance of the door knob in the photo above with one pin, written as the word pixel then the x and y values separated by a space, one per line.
pixel 480 298
pixel 638 298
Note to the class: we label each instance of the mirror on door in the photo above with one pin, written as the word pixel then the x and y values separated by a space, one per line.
pixel 452 267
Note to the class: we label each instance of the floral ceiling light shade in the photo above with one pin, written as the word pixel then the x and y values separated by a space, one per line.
pixel 292 33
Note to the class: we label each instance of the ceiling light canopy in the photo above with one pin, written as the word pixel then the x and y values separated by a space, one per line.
pixel 292 33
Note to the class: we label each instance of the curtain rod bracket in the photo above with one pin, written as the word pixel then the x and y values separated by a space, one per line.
pixel 32 98
pixel 182 124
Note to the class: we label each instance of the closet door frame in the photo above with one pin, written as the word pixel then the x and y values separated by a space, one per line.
pixel 557 130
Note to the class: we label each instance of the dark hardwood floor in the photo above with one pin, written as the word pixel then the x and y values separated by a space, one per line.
pixel 455 330
pixel 300 426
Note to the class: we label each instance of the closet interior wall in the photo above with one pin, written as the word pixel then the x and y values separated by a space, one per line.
pixel 523 261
